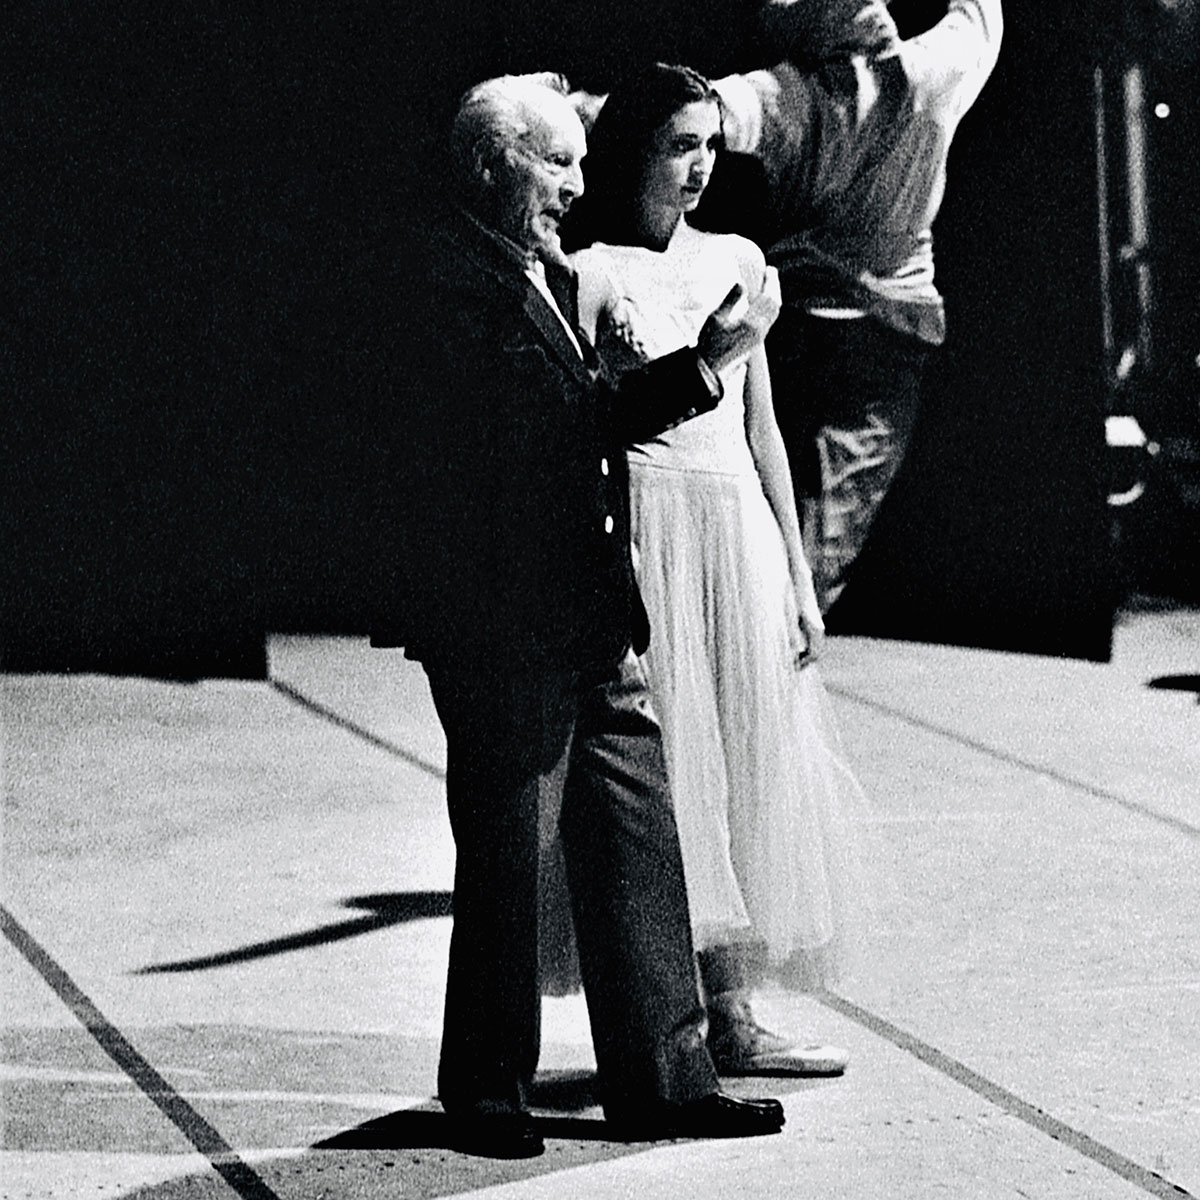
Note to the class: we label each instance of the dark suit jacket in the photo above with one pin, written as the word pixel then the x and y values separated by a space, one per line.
pixel 504 500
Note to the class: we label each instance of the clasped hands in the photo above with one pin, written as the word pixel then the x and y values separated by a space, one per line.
pixel 738 326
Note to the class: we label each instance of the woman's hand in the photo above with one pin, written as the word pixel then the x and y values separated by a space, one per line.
pixel 617 342
pixel 810 633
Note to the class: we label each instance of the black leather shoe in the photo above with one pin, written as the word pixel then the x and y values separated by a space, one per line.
pixel 714 1116
pixel 495 1135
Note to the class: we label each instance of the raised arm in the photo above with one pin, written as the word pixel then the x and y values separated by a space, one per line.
pixel 952 61
pixel 741 113
pixel 769 115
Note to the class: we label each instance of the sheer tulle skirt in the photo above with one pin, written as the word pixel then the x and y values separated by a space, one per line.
pixel 770 815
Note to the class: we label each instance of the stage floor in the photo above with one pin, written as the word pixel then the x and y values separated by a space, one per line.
pixel 226 908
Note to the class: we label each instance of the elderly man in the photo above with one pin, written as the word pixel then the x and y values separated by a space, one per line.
pixel 513 586
pixel 853 127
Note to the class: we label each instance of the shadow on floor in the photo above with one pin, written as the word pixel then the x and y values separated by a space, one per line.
pixel 418 1129
pixel 425 1127
pixel 385 909
pixel 564 1091
pixel 1176 683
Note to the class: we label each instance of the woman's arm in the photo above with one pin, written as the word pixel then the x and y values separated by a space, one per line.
pixel 596 292
pixel 770 458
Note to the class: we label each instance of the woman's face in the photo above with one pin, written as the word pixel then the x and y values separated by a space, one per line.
pixel 681 159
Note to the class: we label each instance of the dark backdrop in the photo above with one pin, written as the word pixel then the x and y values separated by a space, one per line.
pixel 997 532
pixel 202 221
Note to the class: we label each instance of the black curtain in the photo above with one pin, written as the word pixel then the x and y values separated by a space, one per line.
pixel 997 532
pixel 206 212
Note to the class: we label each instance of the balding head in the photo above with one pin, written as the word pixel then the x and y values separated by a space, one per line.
pixel 499 114
pixel 516 147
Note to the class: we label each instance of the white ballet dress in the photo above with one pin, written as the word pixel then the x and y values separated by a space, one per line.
pixel 769 813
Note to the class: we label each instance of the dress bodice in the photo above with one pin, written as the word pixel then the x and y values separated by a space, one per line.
pixel 661 301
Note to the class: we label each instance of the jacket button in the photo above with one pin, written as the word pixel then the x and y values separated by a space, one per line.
pixel 608 524
pixel 604 466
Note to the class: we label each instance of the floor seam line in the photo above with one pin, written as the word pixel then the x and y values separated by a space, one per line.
pixel 350 726
pixel 1015 760
pixel 995 1093
pixel 223 1158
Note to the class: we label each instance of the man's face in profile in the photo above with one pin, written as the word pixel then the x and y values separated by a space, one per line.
pixel 536 180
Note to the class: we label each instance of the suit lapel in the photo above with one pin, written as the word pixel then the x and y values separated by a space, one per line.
pixel 563 286
pixel 549 326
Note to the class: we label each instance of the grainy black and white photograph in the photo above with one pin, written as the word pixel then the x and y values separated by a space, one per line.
pixel 601 600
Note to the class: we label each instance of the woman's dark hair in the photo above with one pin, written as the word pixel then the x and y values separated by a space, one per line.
pixel 619 146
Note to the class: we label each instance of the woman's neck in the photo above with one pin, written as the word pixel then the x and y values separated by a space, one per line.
pixel 656 229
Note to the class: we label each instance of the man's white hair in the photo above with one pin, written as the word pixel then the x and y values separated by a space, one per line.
pixel 496 115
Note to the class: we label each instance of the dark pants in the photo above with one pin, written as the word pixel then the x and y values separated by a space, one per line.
pixel 529 752
pixel 846 395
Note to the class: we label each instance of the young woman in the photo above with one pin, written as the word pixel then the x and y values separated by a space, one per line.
pixel 765 805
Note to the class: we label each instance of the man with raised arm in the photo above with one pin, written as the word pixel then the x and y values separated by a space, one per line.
pixel 852 126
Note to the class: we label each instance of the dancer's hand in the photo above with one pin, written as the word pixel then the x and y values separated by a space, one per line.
pixel 811 636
